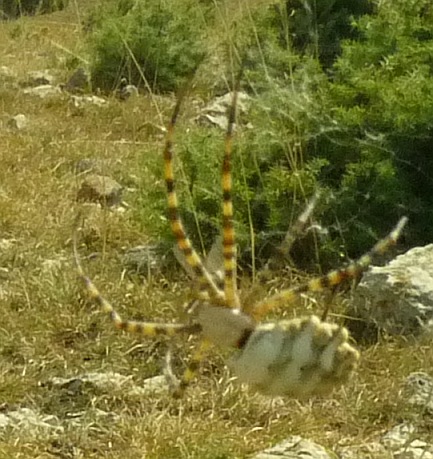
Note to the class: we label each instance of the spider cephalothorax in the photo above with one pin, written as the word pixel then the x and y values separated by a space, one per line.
pixel 299 357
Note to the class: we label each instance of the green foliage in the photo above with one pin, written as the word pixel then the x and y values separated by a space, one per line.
pixel 11 9
pixel 360 133
pixel 318 27
pixel 265 46
pixel 380 104
pixel 156 40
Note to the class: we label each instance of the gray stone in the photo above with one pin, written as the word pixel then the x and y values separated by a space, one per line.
pixel 43 91
pixel 78 82
pixel 418 391
pixel 39 78
pixel 416 449
pixel 87 165
pixel 398 297
pixel 398 436
pixel 126 90
pixel 402 440
pixel 373 450
pixel 18 122
pixel 215 113
pixel 7 75
pixel 295 448
pixel 28 421
pixel 83 101
pixel 101 189
pixel 147 259
pixel 157 385
pixel 106 382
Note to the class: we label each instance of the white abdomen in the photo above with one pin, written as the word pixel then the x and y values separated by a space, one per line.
pixel 299 357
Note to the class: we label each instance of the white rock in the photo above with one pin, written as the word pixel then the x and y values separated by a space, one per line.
pixel 398 297
pixel 43 91
pixel 295 447
pixel 18 122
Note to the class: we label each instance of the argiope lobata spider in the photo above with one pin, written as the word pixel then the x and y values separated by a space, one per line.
pixel 299 357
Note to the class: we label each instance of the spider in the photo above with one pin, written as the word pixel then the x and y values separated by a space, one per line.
pixel 300 357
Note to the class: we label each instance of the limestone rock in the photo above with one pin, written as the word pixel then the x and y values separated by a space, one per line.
pixel 18 122
pixel 85 165
pixel 43 91
pixel 39 78
pixel 147 259
pixel 105 382
pixel 398 297
pixel 109 382
pixel 215 113
pixel 416 449
pixel 398 436
pixel 373 450
pixel 7 75
pixel 126 90
pixel 29 422
pixel 402 441
pixel 101 189
pixel 78 82
pixel 83 101
pixel 418 391
pixel 295 448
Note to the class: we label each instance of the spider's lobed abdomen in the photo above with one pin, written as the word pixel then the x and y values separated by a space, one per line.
pixel 300 358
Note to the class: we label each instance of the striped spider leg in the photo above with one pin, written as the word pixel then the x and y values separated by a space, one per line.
pixel 299 357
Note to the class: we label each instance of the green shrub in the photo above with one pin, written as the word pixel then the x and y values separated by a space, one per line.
pixel 11 9
pixel 379 104
pixel 318 27
pixel 361 133
pixel 162 41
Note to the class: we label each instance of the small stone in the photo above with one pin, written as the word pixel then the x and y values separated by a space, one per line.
pixel 295 448
pixel 85 165
pixel 27 421
pixel 215 112
pixel 79 81
pixel 418 391
pixel 82 101
pixel 39 78
pixel 371 450
pixel 7 75
pixel 416 449
pixel 146 259
pixel 106 382
pixel 157 385
pixel 126 90
pixel 18 122
pixel 101 189
pixel 398 436
pixel 43 91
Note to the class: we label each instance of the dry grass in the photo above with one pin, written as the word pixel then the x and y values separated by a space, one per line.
pixel 47 331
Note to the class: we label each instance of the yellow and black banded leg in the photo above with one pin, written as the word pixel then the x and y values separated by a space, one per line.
pixel 228 231
pixel 192 369
pixel 183 242
pixel 282 255
pixel 333 278
pixel 148 329
pixel 298 228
